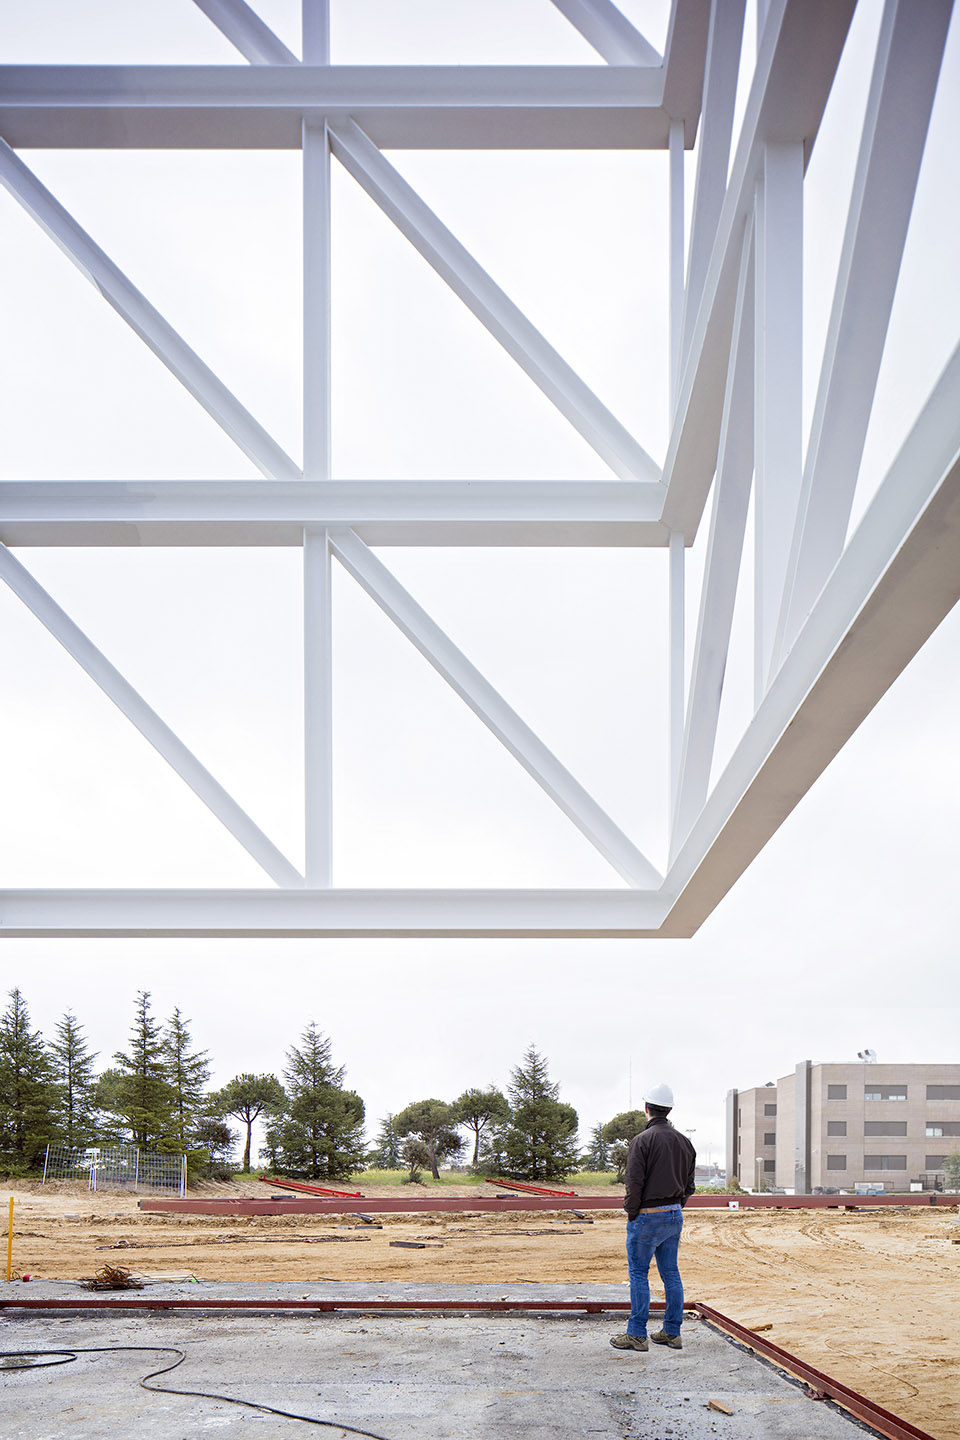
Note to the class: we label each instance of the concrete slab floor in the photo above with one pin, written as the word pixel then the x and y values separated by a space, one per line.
pixel 541 1377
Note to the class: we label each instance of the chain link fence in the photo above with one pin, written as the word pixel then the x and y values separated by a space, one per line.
pixel 116 1167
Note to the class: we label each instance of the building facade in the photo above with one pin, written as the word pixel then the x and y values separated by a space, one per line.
pixel 844 1125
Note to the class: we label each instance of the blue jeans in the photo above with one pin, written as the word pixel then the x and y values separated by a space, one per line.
pixel 654 1235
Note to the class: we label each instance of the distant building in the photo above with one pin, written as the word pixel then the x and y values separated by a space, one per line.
pixel 845 1125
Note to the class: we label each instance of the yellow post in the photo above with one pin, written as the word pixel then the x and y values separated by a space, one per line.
pixel 9 1237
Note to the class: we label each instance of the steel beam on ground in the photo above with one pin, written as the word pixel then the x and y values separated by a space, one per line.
pixel 381 512
pixel 405 107
pixel 496 311
pixel 802 42
pixel 500 718
pixel 457 1204
pixel 445 914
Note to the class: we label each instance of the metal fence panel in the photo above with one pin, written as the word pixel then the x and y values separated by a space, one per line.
pixel 116 1167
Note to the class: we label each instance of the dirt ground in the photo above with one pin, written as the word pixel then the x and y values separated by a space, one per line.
pixel 870 1297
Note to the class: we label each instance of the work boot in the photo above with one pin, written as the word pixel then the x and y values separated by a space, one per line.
pixel 629 1342
pixel 662 1338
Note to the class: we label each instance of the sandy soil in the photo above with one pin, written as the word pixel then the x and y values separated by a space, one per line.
pixel 872 1298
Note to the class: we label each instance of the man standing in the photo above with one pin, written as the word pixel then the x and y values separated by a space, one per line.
pixel 659 1178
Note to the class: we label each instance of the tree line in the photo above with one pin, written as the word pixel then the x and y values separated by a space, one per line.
pixel 155 1094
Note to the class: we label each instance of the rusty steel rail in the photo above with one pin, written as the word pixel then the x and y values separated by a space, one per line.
pixel 820 1385
pixel 397 1205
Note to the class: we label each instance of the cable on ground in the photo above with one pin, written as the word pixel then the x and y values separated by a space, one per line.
pixel 33 1360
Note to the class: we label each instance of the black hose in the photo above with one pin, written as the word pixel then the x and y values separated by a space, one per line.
pixel 32 1360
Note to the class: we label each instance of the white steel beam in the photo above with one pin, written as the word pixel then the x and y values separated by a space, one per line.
pixel 718 593
pixel 897 579
pixel 169 347
pixel 676 256
pixel 609 31
pixel 490 707
pixel 484 298
pixel 317 591
pixel 802 42
pixel 383 512
pixel 713 152
pixel 779 388
pixel 405 107
pixel 615 914
pixel 244 29
pixel 147 721
pixel 906 70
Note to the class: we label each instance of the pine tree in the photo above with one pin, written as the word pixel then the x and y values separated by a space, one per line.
pixel 618 1132
pixel 479 1110
pixel 540 1141
pixel 597 1154
pixel 73 1071
pixel 144 1101
pixel 321 1135
pixel 247 1097
pixel 27 1090
pixel 431 1122
pixel 386 1152
pixel 187 1071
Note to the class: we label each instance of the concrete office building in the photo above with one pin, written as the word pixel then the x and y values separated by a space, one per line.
pixel 844 1125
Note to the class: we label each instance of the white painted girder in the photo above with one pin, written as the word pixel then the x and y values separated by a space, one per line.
pixel 167 744
pixel 439 914
pixel 382 512
pixel 490 707
pixel 903 85
pixel 244 29
pixel 495 310
pixel 802 42
pixel 410 107
pixel 609 32
pixel 147 322
pixel 897 579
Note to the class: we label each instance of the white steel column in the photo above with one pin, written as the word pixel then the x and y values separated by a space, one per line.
pixel 317 590
pixel 907 66
pixel 677 660
pixel 779 377
pixel 676 256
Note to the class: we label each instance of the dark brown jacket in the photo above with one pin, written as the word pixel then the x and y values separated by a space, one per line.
pixel 660 1166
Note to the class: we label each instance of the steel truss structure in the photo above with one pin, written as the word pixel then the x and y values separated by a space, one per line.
pixel 835 621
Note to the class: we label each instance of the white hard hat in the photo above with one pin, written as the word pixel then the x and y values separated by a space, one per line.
pixel 659 1095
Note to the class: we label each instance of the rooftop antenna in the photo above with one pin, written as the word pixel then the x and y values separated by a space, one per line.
pixel 869 1057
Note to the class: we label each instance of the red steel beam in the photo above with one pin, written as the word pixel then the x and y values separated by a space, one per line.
pixel 393 1204
pixel 822 1386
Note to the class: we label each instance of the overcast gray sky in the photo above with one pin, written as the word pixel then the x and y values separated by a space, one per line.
pixel 843 932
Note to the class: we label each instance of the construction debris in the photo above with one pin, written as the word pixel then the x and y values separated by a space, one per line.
pixel 112 1277
pixel 721 1407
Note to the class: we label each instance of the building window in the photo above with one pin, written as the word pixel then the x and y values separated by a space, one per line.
pixel 836 1092
pixel 885 1092
pixel 935 1162
pixel 769 1109
pixel 884 1162
pixel 739 1118
pixel 836 1162
pixel 769 1137
pixel 769 1166
pixel 943 1092
pixel 738 1144
pixel 885 1127
pixel 943 1127
pixel 836 1127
